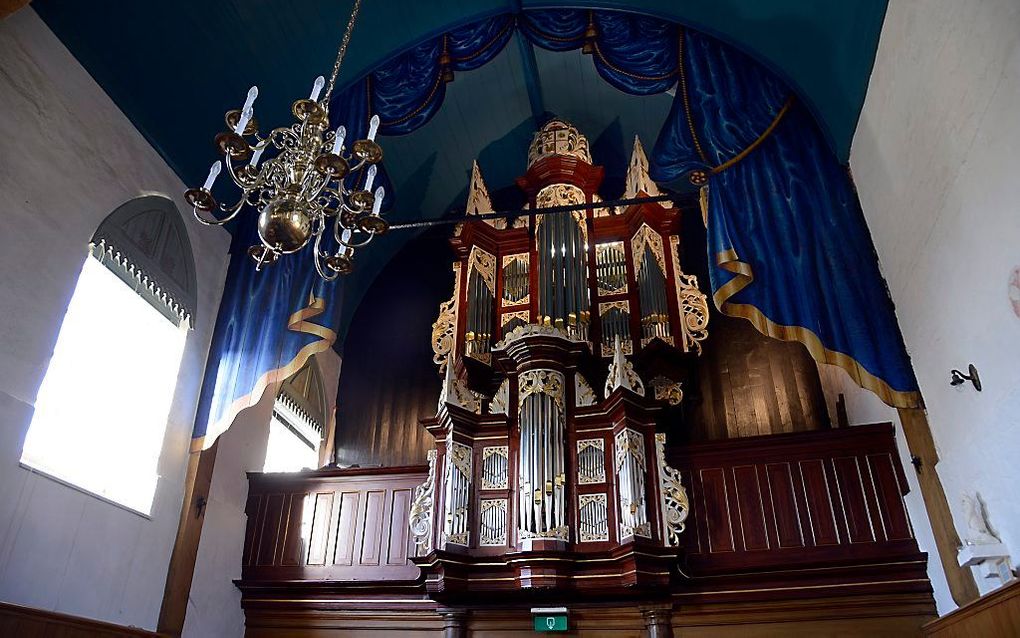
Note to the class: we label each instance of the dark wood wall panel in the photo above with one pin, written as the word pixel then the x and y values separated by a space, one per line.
pixel 330 525
pixel 795 499
pixel 751 385
pixel 388 381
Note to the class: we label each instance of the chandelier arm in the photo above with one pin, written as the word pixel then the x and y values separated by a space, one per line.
pixel 340 54
pixel 244 185
pixel 317 258
pixel 348 244
pixel 213 222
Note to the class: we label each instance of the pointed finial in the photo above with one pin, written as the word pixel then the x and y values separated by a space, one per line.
pixel 478 194
pixel 638 181
pixel 621 372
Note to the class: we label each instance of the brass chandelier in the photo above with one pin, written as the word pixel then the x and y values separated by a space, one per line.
pixel 300 190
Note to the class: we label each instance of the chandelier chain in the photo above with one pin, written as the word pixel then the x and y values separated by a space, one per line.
pixel 341 52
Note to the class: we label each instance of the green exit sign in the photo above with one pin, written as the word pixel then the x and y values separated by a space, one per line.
pixel 550 619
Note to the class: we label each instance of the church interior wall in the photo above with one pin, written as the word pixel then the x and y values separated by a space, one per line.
pixel 214 606
pixel 935 161
pixel 69 157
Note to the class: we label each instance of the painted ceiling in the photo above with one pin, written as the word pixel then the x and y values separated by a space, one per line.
pixel 174 68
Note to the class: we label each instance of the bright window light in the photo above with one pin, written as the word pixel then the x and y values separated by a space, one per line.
pixel 288 451
pixel 102 409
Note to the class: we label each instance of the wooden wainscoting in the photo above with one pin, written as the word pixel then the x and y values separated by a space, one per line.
pixel 330 525
pixel 994 615
pixel 17 621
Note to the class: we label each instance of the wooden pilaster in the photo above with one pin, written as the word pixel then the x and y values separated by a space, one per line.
pixel 947 541
pixel 189 532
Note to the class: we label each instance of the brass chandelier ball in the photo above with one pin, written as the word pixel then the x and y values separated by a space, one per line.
pixel 284 225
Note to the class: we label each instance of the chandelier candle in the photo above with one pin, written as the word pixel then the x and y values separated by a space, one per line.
pixel 299 190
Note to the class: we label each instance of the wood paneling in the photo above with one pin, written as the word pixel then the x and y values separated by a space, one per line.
pixel 17 621
pixel 793 500
pixel 995 615
pixel 750 385
pixel 340 525
pixel 388 380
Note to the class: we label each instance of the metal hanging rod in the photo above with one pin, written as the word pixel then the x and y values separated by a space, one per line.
pixel 552 210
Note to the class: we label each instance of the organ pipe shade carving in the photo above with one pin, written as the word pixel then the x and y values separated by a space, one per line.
pixel 513 320
pixel 591 461
pixel 611 268
pixel 562 244
pixel 501 400
pixel 593 518
pixel 481 291
pixel 495 466
pixel 630 479
pixel 458 493
pixel 492 527
pixel 693 304
pixel 615 318
pixel 584 395
pixel 541 461
pixel 675 505
pixel 421 510
pixel 445 327
pixel 516 280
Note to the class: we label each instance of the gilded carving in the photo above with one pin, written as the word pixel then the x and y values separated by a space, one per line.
pixel 443 337
pixel 638 181
pixel 500 400
pixel 558 138
pixel 591 461
pixel 421 509
pixel 645 236
pixel 532 330
pixel 584 395
pixel 667 390
pixel 484 263
pixel 549 382
pixel 563 195
pixel 692 302
pixel 675 505
pixel 492 522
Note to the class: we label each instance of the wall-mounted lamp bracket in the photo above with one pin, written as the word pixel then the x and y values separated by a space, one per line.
pixel 957 378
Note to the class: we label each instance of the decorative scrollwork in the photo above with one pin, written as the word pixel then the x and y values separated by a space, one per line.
pixel 445 327
pixel 558 138
pixel 532 330
pixel 421 509
pixel 667 390
pixel 454 392
pixel 645 236
pixel 584 395
pixel 563 195
pixel 675 504
pixel 501 400
pixel 549 382
pixel 692 302
pixel 484 263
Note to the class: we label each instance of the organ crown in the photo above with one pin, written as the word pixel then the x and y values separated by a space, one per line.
pixel 558 137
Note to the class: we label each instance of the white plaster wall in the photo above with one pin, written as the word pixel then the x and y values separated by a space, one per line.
pixel 69 157
pixel 214 606
pixel 936 159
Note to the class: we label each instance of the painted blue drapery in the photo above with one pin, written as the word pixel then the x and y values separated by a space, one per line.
pixel 788 246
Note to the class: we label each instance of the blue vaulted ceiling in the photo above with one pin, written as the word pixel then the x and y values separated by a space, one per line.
pixel 175 67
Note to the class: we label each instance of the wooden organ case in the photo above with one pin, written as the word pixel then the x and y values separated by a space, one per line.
pixel 563 350
pixel 547 454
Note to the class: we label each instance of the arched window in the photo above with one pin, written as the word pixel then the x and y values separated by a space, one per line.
pixel 101 412
pixel 298 423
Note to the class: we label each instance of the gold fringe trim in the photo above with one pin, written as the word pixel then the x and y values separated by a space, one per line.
pixel 298 322
pixel 703 201
pixel 743 276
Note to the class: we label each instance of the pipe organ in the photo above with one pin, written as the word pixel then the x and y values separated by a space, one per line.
pixel 533 467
